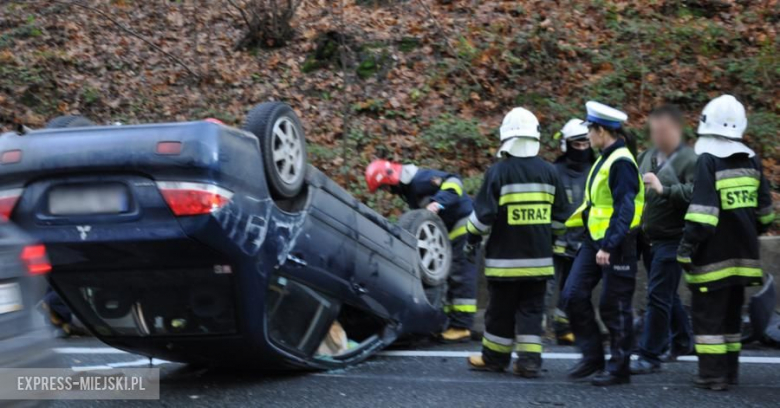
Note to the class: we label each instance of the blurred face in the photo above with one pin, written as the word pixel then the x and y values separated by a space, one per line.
pixel 665 133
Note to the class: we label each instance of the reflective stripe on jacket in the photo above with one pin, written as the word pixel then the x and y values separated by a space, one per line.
pixel 730 207
pixel 520 204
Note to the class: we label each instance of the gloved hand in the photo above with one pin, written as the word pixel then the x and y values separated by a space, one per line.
pixel 470 249
pixel 684 254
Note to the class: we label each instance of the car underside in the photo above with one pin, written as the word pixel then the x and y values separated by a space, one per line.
pixel 198 242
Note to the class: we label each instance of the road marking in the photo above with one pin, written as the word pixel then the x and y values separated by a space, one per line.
pixel 418 353
pixel 144 362
pixel 499 378
pixel 88 350
pixel 553 356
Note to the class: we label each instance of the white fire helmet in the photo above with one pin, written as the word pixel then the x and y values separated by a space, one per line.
pixel 721 126
pixel 520 134
pixel 573 129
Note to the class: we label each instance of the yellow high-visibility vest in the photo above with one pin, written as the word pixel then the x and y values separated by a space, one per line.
pixel 598 198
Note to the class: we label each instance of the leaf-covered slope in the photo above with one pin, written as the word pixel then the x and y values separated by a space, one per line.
pixel 420 80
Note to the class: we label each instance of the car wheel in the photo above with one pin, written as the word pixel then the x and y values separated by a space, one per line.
pixel 283 146
pixel 434 251
pixel 69 121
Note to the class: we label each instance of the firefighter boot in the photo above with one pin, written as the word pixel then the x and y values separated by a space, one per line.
pixel 528 365
pixel 455 335
pixel 715 384
pixel 477 363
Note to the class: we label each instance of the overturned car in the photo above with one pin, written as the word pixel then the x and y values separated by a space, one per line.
pixel 202 243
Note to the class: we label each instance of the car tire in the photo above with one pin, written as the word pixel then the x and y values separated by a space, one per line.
pixel 282 145
pixel 434 250
pixel 69 121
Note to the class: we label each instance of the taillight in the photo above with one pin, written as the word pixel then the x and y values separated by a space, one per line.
pixel 193 198
pixel 8 199
pixel 11 156
pixel 169 148
pixel 34 257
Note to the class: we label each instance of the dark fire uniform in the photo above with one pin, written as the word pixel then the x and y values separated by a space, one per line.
pixel 520 203
pixel 424 186
pixel 731 205
pixel 573 176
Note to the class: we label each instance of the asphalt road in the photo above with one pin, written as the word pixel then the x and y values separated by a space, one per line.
pixel 434 375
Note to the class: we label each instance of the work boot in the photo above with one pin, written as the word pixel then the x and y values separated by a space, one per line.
pixel 526 368
pixel 455 335
pixel 605 379
pixel 584 368
pixel 566 339
pixel 714 384
pixel 477 363
pixel 643 366
pixel 670 356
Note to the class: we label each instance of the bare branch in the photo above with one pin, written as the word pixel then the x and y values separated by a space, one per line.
pixel 454 52
pixel 240 10
pixel 129 31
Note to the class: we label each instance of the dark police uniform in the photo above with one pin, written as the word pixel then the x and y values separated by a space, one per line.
pixel 730 207
pixel 446 189
pixel 519 204
pixel 611 212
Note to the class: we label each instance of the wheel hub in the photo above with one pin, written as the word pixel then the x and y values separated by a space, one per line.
pixel 287 151
pixel 431 249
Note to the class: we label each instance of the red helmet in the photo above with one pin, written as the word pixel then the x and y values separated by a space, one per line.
pixel 382 173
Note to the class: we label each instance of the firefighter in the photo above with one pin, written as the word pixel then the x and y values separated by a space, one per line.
pixel 441 193
pixel 519 204
pixel 611 211
pixel 730 207
pixel 572 167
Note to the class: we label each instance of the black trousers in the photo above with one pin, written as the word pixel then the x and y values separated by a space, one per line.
pixel 563 266
pixel 717 324
pixel 514 303
pixel 461 305
pixel 615 305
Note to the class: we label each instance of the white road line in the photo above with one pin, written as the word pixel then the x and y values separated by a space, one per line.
pixel 416 353
pixel 552 356
pixel 124 364
pixel 89 350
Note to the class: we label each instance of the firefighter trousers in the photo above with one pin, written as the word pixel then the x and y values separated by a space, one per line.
pixel 514 318
pixel 563 266
pixel 461 304
pixel 717 323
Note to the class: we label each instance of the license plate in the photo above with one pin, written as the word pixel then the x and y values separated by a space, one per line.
pixel 83 200
pixel 10 298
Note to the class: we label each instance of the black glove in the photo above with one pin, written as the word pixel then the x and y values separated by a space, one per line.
pixel 470 249
pixel 684 254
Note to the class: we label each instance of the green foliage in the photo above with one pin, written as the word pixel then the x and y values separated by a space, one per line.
pixel 762 130
pixel 452 134
pixel 374 64
pixel 25 31
pixel 408 44
pixel 471 185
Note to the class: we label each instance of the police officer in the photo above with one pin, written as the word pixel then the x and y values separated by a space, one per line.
pixel 441 193
pixel 572 167
pixel 730 207
pixel 519 204
pixel 611 211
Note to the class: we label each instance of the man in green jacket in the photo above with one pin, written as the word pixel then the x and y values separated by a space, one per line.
pixel 668 170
